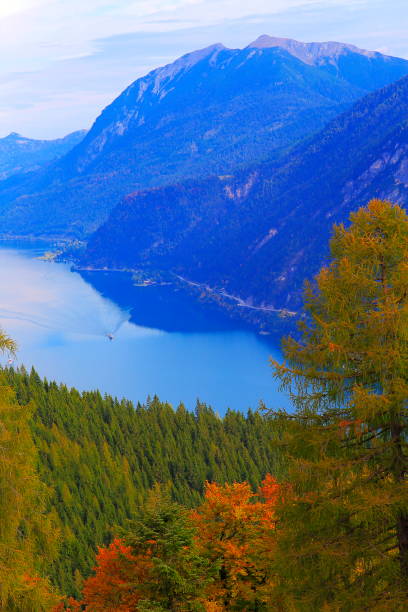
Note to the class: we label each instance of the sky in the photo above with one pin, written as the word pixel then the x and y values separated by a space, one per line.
pixel 63 61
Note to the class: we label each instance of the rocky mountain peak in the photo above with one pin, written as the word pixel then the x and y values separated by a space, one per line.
pixel 310 53
pixel 189 59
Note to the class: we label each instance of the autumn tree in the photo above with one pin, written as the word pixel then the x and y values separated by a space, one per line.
pixel 235 532
pixel 343 528
pixel 154 566
pixel 117 575
pixel 26 533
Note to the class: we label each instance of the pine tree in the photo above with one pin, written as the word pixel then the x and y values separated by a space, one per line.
pixel 155 566
pixel 164 532
pixel 343 527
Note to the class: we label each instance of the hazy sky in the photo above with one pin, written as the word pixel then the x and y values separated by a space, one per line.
pixel 63 61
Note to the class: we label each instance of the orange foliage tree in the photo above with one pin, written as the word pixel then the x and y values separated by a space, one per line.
pixel 236 531
pixel 113 588
pixel 114 585
pixel 214 558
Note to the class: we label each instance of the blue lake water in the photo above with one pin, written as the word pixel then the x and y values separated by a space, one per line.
pixel 165 343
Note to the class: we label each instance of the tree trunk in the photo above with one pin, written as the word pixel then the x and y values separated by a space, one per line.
pixel 400 475
pixel 402 535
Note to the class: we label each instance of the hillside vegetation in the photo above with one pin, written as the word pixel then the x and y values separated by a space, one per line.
pixel 100 456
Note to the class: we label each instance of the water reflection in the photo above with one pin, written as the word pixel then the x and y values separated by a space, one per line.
pixel 164 307
pixel 179 350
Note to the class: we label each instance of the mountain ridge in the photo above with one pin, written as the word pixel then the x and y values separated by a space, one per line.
pixel 310 51
pixel 210 112
pixel 19 154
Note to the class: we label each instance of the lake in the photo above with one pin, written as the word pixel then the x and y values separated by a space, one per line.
pixel 165 342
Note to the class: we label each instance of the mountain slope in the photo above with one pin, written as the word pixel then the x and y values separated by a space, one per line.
pixel 259 234
pixel 19 154
pixel 99 456
pixel 211 111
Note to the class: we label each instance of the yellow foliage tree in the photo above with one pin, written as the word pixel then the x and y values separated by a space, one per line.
pixel 343 529
pixel 27 538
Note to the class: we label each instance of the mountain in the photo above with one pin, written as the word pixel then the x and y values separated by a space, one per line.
pixel 210 112
pixel 258 234
pixel 20 155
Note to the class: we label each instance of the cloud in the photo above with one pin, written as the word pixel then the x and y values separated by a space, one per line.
pixel 71 27
pixel 84 52
pixel 19 6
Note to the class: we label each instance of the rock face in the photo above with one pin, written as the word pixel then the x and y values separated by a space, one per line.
pixel 210 112
pixel 20 155
pixel 259 234
pixel 314 53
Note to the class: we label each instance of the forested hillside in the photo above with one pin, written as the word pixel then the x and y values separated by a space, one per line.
pixel 260 233
pixel 209 112
pixel 100 456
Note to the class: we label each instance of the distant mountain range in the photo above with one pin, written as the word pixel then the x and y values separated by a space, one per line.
pixel 259 233
pixel 210 112
pixel 20 155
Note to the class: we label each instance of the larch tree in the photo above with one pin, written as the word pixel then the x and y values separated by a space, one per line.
pixel 26 532
pixel 343 526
